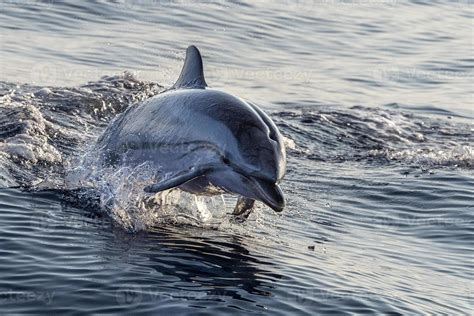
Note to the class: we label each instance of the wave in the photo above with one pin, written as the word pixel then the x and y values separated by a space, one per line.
pixel 47 136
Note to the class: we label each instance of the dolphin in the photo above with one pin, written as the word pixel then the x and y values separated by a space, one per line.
pixel 201 140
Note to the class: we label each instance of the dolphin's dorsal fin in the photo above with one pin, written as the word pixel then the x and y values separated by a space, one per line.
pixel 192 74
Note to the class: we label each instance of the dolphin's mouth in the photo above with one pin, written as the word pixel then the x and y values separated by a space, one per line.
pixel 269 193
pixel 249 186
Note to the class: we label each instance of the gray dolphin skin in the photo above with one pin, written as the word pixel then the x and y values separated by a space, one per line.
pixel 202 140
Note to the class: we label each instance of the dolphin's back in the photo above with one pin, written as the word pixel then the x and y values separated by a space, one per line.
pixel 185 126
pixel 175 127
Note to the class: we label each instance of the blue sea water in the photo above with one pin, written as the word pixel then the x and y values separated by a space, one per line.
pixel 374 98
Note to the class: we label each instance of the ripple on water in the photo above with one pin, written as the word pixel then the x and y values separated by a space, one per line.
pixel 377 116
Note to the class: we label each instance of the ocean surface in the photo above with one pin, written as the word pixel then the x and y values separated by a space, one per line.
pixel 374 98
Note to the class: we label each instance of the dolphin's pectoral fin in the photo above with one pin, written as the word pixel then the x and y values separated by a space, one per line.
pixel 176 180
pixel 192 74
pixel 244 207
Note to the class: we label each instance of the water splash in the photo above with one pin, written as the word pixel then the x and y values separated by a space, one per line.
pixel 120 193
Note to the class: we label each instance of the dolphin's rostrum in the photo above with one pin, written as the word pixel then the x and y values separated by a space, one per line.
pixel 205 141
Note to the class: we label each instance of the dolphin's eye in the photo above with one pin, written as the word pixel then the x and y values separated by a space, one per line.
pixel 225 160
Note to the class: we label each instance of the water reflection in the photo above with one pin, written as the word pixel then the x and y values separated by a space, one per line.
pixel 193 264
